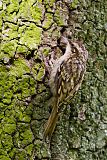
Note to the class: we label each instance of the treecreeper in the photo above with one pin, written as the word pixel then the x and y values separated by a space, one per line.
pixel 65 78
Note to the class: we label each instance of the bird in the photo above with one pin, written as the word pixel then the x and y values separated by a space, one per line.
pixel 65 78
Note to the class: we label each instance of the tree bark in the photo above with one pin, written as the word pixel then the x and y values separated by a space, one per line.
pixel 29 31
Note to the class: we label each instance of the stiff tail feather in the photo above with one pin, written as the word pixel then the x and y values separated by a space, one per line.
pixel 51 123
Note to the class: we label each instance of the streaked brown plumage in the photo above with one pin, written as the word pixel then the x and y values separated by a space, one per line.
pixel 65 78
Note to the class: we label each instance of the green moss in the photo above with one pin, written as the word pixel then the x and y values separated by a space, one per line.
pixel 49 5
pixel 21 153
pixel 51 2
pixel 31 36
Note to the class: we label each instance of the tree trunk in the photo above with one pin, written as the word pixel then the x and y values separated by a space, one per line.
pixel 29 32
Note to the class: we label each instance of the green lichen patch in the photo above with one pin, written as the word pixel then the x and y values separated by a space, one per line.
pixel 6 2
pixel 24 10
pixel 46 51
pixel 37 12
pixel 12 152
pixel 24 137
pixel 6 141
pixel 2 152
pixel 31 10
pixel 2 157
pixel 10 17
pixel 5 93
pixel 22 29
pixel 2 107
pixel 1 5
pixel 19 68
pixel 22 49
pixel 1 16
pixel 40 74
pixel 20 154
pixel 9 128
pixel 7 97
pixel 38 71
pixel 73 154
pixel 27 137
pixel 49 3
pixel 74 4
pixel 24 87
pixel 8 124
pixel 31 37
pixel 61 16
pixel 48 21
pixel 23 117
pixel 29 110
pixel 31 87
pixel 29 149
pixel 21 114
pixel 9 32
pixel 13 6
pixel 8 48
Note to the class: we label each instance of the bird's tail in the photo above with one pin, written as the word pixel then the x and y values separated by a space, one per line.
pixel 51 123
